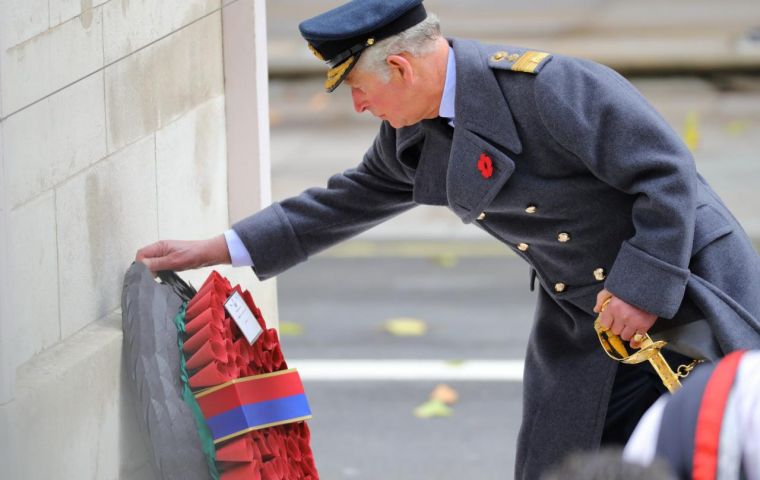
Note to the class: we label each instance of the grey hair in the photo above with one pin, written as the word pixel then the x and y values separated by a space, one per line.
pixel 418 41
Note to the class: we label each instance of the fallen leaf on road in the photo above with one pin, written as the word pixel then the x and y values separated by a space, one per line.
pixel 406 327
pixel 439 404
pixel 289 329
pixel 446 260
pixel 433 408
pixel 445 394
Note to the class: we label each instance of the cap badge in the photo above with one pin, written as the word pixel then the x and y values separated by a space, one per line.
pixel 485 165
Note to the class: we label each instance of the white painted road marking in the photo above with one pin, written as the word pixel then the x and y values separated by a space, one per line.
pixel 408 370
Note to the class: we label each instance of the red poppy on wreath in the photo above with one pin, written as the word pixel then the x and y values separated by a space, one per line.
pixel 485 165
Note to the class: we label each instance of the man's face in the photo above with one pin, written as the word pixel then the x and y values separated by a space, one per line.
pixel 392 101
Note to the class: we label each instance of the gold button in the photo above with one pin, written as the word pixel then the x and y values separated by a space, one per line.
pixel 599 274
pixel 560 287
pixel 523 247
pixel 498 56
pixel 482 216
pixel 563 237
pixel 531 209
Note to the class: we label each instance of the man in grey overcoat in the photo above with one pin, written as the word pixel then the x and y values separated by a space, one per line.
pixel 561 160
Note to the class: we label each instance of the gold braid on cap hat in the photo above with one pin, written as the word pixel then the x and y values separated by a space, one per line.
pixel 315 52
pixel 335 74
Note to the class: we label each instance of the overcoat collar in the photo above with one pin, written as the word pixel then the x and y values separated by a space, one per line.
pixel 485 131
pixel 480 104
pixel 447 172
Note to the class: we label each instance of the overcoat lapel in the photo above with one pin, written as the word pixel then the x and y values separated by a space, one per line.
pixel 469 190
pixel 477 133
pixel 446 170
pixel 424 150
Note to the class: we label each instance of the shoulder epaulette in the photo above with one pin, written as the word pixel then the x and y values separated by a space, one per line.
pixel 529 61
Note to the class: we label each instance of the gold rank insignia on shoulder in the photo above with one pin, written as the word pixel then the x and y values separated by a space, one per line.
pixel 528 62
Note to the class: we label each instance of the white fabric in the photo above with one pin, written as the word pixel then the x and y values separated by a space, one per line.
pixel 446 109
pixel 729 445
pixel 748 406
pixel 642 446
pixel 238 253
pixel 740 430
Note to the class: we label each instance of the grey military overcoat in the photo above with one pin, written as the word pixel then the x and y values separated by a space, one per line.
pixel 588 185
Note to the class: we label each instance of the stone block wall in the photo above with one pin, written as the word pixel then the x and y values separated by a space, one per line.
pixel 113 134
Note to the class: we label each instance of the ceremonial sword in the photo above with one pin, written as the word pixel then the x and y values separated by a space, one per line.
pixel 649 350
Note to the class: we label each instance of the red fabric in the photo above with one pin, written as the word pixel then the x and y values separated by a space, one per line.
pixel 248 471
pixel 237 450
pixel 213 313
pixel 209 376
pixel 214 282
pixel 212 350
pixel 208 299
pixel 212 331
pixel 485 165
pixel 242 349
pixel 256 312
pixel 282 452
pixel 710 417
pixel 251 391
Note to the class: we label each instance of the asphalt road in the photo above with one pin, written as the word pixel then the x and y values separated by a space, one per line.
pixel 475 307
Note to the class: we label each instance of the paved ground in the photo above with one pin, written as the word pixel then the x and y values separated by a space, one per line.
pixel 475 308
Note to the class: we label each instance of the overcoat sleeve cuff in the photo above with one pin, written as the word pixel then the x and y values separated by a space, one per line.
pixel 647 282
pixel 270 239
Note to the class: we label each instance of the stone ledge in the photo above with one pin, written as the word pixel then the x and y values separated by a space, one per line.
pixel 71 408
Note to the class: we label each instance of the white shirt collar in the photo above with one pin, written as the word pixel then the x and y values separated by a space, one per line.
pixel 446 109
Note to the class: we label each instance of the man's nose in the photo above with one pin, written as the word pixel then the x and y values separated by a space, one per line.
pixel 360 104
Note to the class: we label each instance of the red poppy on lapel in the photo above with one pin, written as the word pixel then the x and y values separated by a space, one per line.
pixel 485 165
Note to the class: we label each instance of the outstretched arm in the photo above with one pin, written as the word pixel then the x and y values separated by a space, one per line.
pixel 290 231
pixel 181 255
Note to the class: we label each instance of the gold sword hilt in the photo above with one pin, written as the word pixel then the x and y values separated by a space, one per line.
pixel 649 350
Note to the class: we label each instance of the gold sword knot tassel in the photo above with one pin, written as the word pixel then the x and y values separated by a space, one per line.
pixel 649 350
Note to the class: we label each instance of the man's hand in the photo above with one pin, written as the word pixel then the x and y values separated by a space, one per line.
pixel 623 319
pixel 181 255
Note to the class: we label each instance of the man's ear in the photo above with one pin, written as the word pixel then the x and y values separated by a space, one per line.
pixel 401 66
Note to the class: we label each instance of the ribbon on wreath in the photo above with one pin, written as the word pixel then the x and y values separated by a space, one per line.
pixel 253 403
pixel 249 407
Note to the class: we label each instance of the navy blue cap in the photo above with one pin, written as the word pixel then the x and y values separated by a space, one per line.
pixel 339 36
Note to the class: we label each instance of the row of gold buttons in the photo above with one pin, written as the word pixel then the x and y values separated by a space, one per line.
pixel 599 276
pixel 562 237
